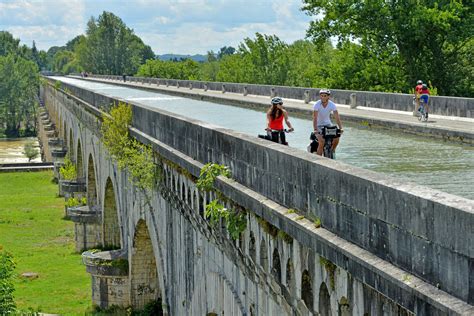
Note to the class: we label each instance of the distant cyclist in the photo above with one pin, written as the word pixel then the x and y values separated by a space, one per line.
pixel 275 116
pixel 419 85
pixel 322 117
pixel 424 97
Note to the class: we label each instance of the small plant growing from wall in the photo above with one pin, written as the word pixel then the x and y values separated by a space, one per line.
pixel 68 171
pixel 130 154
pixel 208 175
pixel 73 202
pixel 236 221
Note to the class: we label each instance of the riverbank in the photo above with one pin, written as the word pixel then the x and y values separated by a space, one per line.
pixel 33 230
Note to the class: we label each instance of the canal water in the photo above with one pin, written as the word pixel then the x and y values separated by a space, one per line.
pixel 441 165
pixel 11 150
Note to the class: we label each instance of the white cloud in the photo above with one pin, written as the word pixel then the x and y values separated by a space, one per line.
pixel 180 26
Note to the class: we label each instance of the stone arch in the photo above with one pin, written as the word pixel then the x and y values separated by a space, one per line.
pixel 201 205
pixel 71 144
pixel 64 130
pixel 263 255
pixel 307 289
pixel 79 162
pixel 290 277
pixel 324 301
pixel 91 182
pixel 144 282
pixel 252 250
pixel 276 265
pixel 344 307
pixel 111 226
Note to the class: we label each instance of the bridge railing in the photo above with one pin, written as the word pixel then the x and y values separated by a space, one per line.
pixel 441 105
pixel 426 232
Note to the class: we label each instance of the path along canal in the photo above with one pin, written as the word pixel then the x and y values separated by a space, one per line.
pixel 441 165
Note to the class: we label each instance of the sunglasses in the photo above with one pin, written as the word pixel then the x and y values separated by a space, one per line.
pixel 323 95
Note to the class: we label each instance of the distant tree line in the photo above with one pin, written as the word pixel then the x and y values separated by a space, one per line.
pixel 369 45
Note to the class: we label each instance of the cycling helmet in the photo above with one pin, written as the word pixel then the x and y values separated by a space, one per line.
pixel 424 86
pixel 419 82
pixel 325 91
pixel 277 100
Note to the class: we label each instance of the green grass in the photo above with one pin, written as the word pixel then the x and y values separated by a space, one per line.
pixel 33 231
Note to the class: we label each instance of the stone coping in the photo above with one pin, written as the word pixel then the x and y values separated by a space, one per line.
pixel 106 263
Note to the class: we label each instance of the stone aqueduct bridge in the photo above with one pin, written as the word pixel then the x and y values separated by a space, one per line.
pixel 384 248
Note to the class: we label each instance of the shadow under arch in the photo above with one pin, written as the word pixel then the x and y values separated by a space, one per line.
pixel 307 289
pixel 79 161
pixel 324 301
pixel 71 145
pixel 91 182
pixel 144 282
pixel 64 131
pixel 110 226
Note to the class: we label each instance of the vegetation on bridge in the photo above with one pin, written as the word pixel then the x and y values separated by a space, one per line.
pixel 130 154
pixel 235 220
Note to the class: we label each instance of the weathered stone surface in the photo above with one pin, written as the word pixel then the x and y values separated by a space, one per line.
pixel 379 234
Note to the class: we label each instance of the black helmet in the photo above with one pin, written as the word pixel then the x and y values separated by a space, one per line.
pixel 325 91
pixel 277 100
pixel 419 82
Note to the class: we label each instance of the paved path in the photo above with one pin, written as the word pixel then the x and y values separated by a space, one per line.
pixel 459 129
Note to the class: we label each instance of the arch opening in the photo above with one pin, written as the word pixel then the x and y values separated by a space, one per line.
pixel 91 183
pixel 276 265
pixel 144 284
pixel 252 249
pixel 324 301
pixel 307 289
pixel 79 163
pixel 111 226
pixel 263 255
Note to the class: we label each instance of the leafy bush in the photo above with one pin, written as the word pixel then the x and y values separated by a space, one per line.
pixel 68 171
pixel 7 266
pixel 130 154
pixel 30 151
pixel 209 173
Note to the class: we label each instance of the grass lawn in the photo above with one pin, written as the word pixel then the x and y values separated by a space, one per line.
pixel 33 231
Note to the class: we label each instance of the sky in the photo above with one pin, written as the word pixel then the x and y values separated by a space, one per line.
pixel 179 26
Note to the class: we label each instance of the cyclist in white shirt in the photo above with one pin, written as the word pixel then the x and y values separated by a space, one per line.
pixel 322 117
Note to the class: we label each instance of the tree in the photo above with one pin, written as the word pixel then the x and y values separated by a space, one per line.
pixel 110 47
pixel 30 151
pixel 8 44
pixel 18 95
pixel 225 51
pixel 267 58
pixel 429 37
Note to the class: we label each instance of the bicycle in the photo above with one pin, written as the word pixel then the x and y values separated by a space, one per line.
pixel 275 135
pixel 329 133
pixel 423 114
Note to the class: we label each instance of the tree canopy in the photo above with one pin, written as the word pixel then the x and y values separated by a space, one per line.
pixel 427 39
pixel 110 47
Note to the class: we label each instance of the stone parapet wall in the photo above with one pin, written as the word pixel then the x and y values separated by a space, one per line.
pixel 392 220
pixel 440 105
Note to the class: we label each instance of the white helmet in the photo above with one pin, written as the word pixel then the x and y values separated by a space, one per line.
pixel 325 91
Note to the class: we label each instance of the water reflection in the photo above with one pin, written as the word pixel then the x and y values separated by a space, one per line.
pixel 11 150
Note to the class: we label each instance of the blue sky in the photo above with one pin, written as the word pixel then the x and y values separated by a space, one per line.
pixel 179 26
